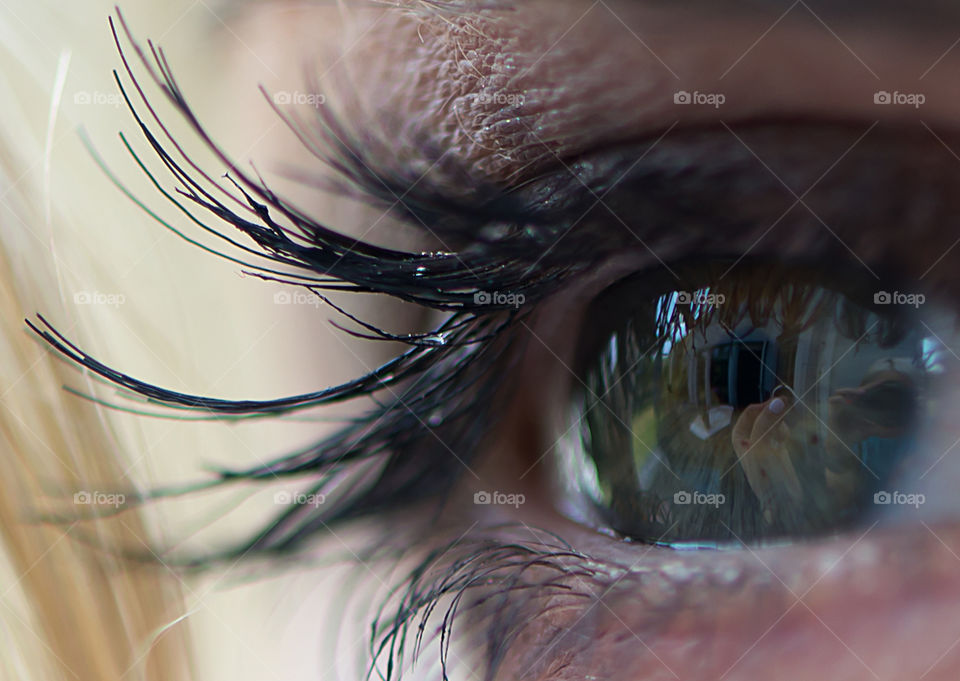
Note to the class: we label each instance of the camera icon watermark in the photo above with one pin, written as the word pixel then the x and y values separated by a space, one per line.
pixel 714 99
pixel 286 98
pixel 499 298
pixel 296 298
pixel 86 98
pixel 484 498
pixel 685 498
pixel 700 298
pixel 884 498
pixel 97 498
pixel 898 298
pixel 285 498
pixel 99 298
pixel 501 98
pixel 885 98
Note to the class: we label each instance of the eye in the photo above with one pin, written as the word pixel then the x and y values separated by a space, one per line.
pixel 748 403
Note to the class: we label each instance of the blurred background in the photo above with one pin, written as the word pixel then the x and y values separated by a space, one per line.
pixel 137 297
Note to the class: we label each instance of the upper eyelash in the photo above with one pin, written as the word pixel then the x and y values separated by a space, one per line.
pixel 420 438
pixel 410 439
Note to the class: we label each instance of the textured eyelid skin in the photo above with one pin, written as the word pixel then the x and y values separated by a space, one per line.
pixel 650 605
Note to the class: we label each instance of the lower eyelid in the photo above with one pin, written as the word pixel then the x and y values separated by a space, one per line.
pixel 645 606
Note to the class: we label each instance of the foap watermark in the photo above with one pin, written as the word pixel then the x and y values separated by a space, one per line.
pixel 684 498
pixel 484 498
pixel 914 99
pixel 99 298
pixel 500 98
pixel 97 98
pixel 285 98
pixel 898 298
pixel 285 498
pixel 884 498
pixel 97 498
pixel 700 298
pixel 714 99
pixel 514 300
pixel 296 298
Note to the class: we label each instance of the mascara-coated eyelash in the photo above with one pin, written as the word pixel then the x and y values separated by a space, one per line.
pixel 442 394
pixel 437 398
pixel 440 397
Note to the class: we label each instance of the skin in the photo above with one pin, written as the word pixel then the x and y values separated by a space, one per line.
pixel 770 473
pixel 877 603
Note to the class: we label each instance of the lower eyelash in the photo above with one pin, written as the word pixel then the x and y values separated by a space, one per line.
pixel 500 580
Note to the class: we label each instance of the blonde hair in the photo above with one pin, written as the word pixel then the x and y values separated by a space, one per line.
pixel 72 609
pixel 75 609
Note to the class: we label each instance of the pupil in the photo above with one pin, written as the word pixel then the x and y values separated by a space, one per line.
pixel 739 375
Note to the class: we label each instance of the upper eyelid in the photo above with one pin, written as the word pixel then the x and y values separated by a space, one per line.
pixel 571 104
pixel 687 191
pixel 543 151
pixel 722 190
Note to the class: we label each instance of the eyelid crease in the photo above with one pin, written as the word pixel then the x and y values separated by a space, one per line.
pixel 776 188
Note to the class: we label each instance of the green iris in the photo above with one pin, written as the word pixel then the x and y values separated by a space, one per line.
pixel 757 404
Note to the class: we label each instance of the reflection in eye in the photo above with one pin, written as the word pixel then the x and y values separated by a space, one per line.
pixel 760 404
pixel 767 403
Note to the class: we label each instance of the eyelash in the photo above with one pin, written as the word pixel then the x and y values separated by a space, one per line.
pixel 419 438
pixel 443 390
pixel 511 574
